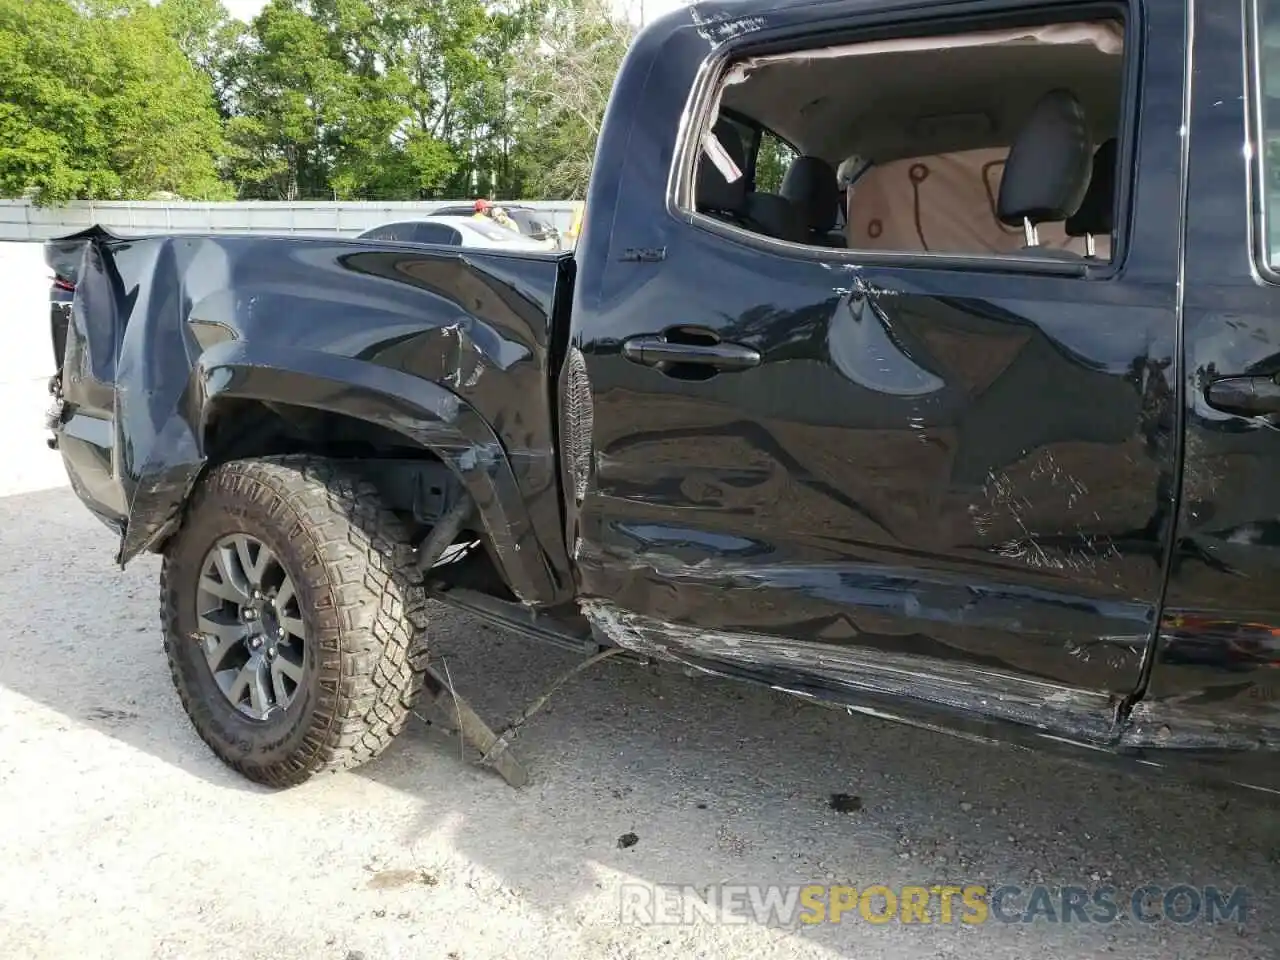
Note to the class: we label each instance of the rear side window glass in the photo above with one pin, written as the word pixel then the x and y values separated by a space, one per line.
pixel 394 232
pixel 530 223
pixel 437 233
pixel 933 120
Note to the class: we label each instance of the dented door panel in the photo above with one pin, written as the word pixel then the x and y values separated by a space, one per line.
pixel 1215 679
pixel 955 479
pixel 959 474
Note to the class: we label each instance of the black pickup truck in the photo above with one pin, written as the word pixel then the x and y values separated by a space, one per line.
pixel 918 356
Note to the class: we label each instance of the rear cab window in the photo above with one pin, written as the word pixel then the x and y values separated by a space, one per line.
pixel 899 146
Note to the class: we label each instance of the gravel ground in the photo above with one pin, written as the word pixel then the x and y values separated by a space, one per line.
pixel 125 838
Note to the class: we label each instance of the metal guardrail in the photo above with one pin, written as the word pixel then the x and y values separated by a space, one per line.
pixel 21 220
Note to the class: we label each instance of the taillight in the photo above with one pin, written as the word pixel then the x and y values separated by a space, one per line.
pixel 64 284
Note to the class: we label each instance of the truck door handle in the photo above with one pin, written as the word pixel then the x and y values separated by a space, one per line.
pixel 1244 396
pixel 655 350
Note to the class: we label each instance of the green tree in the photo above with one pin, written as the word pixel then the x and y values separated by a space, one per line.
pixel 208 37
pixel 324 104
pixel 772 163
pixel 328 99
pixel 165 130
pixel 97 100
pixel 390 99
pixel 52 139
pixel 565 72
pixel 291 90
pixel 445 67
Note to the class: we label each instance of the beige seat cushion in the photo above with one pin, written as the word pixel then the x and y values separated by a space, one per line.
pixel 943 204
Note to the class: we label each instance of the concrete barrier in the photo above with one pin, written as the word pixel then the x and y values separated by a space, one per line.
pixel 20 220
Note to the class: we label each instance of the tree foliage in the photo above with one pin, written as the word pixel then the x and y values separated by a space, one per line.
pixel 564 73
pixel 324 99
pixel 97 100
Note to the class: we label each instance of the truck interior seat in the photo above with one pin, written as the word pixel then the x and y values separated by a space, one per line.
pixel 943 203
pixel 1096 217
pixel 714 194
pixel 775 216
pixel 1047 172
pixel 763 213
pixel 811 186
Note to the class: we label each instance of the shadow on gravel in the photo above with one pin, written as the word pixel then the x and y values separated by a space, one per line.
pixel 73 640
pixel 710 781
pixel 650 776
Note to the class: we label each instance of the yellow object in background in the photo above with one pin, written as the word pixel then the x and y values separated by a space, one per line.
pixel 575 227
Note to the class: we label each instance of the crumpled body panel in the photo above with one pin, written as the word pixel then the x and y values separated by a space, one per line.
pixel 448 350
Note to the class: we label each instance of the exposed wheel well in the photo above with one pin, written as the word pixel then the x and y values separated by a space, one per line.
pixel 237 429
pixel 411 480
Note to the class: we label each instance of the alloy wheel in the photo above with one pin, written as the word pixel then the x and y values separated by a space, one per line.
pixel 250 626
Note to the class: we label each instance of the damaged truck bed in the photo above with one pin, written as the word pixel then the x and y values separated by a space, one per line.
pixel 957 411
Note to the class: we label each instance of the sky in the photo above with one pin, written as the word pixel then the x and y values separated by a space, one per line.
pixel 247 9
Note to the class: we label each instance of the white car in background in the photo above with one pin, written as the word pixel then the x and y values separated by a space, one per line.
pixel 534 224
pixel 453 232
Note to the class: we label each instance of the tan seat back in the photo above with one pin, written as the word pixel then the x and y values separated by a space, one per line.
pixel 943 204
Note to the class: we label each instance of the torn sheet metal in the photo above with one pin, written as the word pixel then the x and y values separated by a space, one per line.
pixel 450 352
pixel 973 705
pixel 857 677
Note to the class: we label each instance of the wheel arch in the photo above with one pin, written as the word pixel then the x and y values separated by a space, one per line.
pixel 245 401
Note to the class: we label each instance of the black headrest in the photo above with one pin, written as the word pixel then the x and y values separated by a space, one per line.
pixel 1097 211
pixel 776 216
pixel 811 185
pixel 1047 171
pixel 713 191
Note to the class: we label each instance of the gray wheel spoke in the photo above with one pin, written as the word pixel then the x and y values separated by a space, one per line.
pixel 224 636
pixel 252 679
pixel 223 591
pixel 227 561
pixel 285 595
pixel 238 687
pixel 294 627
pixel 259 696
pixel 278 675
pixel 287 668
pixel 253 568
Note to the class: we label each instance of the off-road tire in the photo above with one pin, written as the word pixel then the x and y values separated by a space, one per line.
pixel 360 598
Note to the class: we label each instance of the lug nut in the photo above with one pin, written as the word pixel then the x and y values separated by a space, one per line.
pixel 251 614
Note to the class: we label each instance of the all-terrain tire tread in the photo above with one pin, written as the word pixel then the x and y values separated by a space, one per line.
pixel 368 624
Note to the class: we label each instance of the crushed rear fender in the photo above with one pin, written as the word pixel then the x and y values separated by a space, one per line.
pixel 449 351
